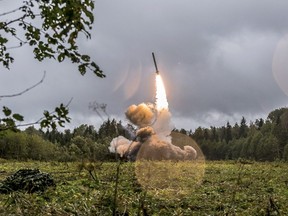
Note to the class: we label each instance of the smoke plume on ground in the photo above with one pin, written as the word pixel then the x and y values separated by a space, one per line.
pixel 153 140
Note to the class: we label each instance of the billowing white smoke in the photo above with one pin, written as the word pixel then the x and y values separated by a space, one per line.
pixel 120 145
pixel 162 126
pixel 153 136
pixel 124 147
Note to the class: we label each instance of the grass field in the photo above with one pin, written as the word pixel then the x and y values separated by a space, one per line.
pixel 225 188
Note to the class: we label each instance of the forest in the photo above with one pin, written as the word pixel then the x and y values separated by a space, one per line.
pixel 261 140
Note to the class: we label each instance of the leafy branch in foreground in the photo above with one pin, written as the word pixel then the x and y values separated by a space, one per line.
pixel 50 120
pixel 51 28
pixel 9 121
pixel 58 117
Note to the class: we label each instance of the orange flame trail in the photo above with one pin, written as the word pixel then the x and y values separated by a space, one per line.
pixel 161 99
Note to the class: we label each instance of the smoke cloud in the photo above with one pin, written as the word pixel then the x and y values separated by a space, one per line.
pixel 141 115
pixel 153 137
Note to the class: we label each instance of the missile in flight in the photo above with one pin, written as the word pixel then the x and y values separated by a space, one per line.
pixel 157 71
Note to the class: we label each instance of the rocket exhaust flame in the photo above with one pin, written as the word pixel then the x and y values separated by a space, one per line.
pixel 161 98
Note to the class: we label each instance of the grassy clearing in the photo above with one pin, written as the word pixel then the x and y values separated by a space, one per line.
pixel 227 188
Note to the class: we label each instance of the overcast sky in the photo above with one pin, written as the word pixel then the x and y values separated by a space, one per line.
pixel 219 59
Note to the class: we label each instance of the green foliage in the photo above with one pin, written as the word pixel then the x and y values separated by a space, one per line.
pixel 10 119
pixel 52 29
pixel 58 117
pixel 228 133
pixel 22 146
pixel 243 128
pixel 5 57
pixel 285 153
pixel 275 115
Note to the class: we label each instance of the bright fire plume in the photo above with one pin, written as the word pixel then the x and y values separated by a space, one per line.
pixel 161 99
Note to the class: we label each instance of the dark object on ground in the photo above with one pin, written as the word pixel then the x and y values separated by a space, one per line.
pixel 27 180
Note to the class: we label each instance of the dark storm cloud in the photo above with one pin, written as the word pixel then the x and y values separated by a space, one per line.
pixel 216 55
pixel 215 58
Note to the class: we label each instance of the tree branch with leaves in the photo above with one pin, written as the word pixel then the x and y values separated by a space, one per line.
pixel 51 28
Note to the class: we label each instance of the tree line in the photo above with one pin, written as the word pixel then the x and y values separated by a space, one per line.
pixel 261 140
pixel 82 143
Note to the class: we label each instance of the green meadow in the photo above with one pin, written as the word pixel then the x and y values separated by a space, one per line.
pixel 111 188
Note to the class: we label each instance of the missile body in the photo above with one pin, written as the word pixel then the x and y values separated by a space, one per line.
pixel 157 72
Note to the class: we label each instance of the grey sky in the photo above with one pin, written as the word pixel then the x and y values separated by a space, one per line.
pixel 215 57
